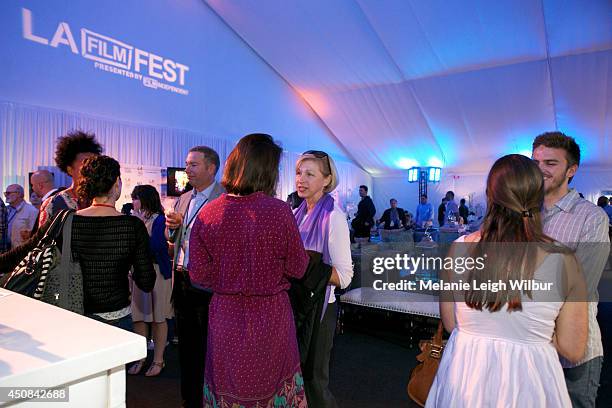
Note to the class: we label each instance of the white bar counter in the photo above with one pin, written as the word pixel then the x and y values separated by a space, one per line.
pixel 45 346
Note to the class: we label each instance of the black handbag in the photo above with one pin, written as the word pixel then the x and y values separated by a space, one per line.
pixel 63 283
pixel 25 279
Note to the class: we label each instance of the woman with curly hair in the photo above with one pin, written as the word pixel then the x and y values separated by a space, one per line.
pixel 105 243
pixel 71 152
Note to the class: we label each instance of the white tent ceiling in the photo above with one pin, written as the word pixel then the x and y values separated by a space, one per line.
pixel 459 83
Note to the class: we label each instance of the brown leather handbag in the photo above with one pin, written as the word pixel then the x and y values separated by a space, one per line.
pixel 422 376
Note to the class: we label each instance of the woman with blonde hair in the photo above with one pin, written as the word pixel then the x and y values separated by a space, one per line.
pixel 323 228
pixel 504 345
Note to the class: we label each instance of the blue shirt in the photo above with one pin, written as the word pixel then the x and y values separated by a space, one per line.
pixel 198 201
pixel 424 212
pixel 608 210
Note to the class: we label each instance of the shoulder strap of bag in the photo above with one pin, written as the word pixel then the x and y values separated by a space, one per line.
pixel 67 238
pixel 436 343
pixel 56 226
pixel 65 265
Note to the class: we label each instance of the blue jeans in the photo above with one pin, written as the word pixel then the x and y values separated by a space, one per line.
pixel 583 381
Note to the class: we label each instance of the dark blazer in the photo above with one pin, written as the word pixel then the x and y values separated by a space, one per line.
pixel 181 206
pixel 464 212
pixel 307 297
pixel 386 218
pixel 366 210
pixel 441 212
pixel 294 200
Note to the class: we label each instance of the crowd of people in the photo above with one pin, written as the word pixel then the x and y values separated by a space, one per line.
pixel 231 263
pixel 229 296
pixel 364 223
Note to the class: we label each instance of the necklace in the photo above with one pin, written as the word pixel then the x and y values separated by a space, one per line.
pixel 103 205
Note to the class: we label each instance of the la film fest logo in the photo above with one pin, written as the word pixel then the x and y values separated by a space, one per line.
pixel 114 56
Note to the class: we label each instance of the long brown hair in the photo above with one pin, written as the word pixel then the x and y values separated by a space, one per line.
pixel 150 202
pixel 515 196
pixel 252 166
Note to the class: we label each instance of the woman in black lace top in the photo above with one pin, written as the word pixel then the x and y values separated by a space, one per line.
pixel 105 243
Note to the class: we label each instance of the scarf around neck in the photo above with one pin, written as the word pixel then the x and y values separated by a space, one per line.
pixel 314 230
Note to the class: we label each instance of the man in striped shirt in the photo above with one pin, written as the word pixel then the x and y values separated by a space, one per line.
pixel 582 226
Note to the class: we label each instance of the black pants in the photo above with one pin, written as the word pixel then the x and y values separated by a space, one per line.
pixel 317 390
pixel 361 229
pixel 191 313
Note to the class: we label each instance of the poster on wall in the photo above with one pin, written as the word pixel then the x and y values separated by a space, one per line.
pixel 133 175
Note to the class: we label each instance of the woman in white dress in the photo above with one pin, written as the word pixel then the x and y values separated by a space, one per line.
pixel 504 346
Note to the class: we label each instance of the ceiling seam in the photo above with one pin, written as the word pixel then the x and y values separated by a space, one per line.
pixel 403 78
pixel 549 67
pixel 471 70
pixel 413 91
pixel 426 119
pixel 382 43
pixel 290 85
pixel 351 123
pixel 416 17
pixel 607 105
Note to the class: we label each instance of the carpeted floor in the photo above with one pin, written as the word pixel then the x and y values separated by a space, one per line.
pixel 360 363
pixel 369 369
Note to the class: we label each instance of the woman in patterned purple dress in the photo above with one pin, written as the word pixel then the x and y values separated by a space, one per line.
pixel 245 246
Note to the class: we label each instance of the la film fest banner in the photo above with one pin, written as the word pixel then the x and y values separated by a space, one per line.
pixel 111 55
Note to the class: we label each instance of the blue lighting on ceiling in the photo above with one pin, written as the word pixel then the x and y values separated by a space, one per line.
pixel 406 163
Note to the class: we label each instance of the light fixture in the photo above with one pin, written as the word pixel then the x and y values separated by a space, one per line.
pixel 434 175
pixel 431 174
pixel 413 174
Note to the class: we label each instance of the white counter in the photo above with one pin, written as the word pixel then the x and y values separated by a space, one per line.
pixel 45 346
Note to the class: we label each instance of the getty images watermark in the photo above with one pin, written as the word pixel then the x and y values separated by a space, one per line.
pixel 459 265
pixel 540 271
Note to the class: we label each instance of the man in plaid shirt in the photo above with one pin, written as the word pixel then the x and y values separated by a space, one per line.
pixel 582 226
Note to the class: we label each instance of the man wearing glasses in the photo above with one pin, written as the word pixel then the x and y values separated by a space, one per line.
pixel 21 216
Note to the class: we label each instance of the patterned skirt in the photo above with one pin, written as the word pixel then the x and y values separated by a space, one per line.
pixel 290 394
pixel 252 358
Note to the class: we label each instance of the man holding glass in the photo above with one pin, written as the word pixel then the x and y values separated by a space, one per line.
pixel 191 301
pixel 21 216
